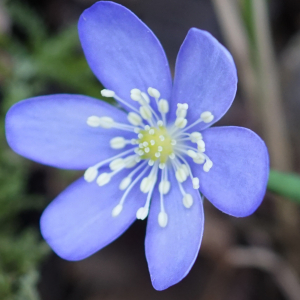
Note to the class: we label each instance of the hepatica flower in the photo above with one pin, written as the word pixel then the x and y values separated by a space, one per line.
pixel 150 158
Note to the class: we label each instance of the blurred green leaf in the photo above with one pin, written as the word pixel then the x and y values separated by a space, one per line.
pixel 285 184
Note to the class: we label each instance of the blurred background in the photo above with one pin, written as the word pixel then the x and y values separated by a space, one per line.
pixel 257 257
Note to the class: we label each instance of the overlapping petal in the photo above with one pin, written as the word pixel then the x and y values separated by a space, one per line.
pixel 79 222
pixel 205 77
pixel 52 130
pixel 122 51
pixel 171 251
pixel 237 182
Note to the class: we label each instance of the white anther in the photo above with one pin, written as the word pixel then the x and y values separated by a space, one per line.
pixel 90 174
pixel 103 179
pixel 147 127
pixel 137 130
pixel 141 145
pixel 187 200
pixel 160 123
pixel 157 154
pixel 153 92
pixel 201 146
pixel 135 94
pixel 93 121
pixel 152 142
pixel 199 159
pixel 151 162
pixel 206 117
pixel 162 166
pixel 195 137
pixel 207 166
pixel 181 175
pixel 134 119
pixel 107 93
pixel 147 150
pixel 133 141
pixel 125 183
pixel 137 159
pixel 173 142
pixel 162 138
pixel 145 144
pixel 164 186
pixel 181 110
pixel 191 153
pixel 130 161
pixel 151 131
pixel 146 184
pixel 117 142
pixel 105 122
pixel 140 135
pixel 117 164
pixel 196 183
pixel 145 113
pixel 172 155
pixel 117 210
pixel 180 122
pixel 141 152
pixel 163 106
pixel 162 219
pixel 142 213
pixel 160 148
pixel 145 98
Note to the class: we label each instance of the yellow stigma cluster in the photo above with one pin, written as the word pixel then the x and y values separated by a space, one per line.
pixel 156 144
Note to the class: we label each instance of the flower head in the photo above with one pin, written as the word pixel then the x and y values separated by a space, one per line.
pixel 151 160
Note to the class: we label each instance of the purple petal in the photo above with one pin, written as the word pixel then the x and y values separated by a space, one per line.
pixel 205 77
pixel 122 51
pixel 79 222
pixel 171 251
pixel 52 130
pixel 236 184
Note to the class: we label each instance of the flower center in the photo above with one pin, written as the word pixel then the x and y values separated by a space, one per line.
pixel 156 151
pixel 156 143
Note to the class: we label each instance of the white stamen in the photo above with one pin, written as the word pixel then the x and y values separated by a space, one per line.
pixel 135 94
pixel 147 150
pixel 160 123
pixel 187 200
pixel 151 131
pixel 140 135
pixel 137 130
pixel 105 122
pixel 180 122
pixel 152 142
pixel 107 93
pixel 192 154
pixel 141 153
pixel 196 184
pixel 157 154
pixel 162 138
pixel 153 92
pixel 199 159
pixel 207 166
pixel 103 179
pixel 163 106
pixel 117 164
pixel 206 117
pixel 145 98
pixel 201 146
pixel 90 174
pixel 117 142
pixel 162 219
pixel 93 121
pixel 117 210
pixel 142 213
pixel 164 186
pixel 146 185
pixel 160 148
pixel 130 161
pixel 172 155
pixel 181 110
pixel 125 183
pixel 145 144
pixel 162 166
pixel 145 113
pixel 195 137
pixel 134 119
pixel 147 127
pixel 181 174
pixel 151 162
pixel 173 142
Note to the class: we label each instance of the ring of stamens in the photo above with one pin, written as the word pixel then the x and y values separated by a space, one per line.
pixel 157 147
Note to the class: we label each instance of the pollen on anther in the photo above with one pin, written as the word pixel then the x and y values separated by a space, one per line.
pixel 151 131
pixel 157 154
pixel 147 150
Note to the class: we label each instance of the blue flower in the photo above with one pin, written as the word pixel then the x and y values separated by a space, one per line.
pixel 161 151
